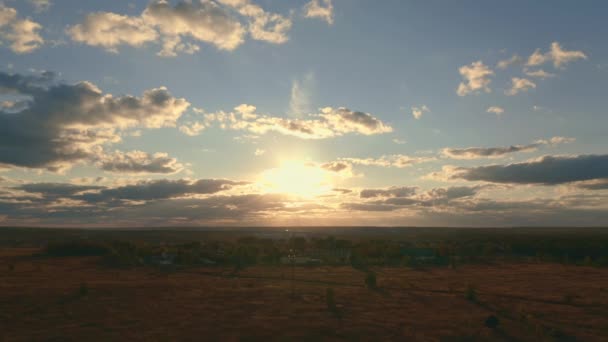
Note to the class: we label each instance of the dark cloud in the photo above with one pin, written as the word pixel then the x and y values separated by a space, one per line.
pixel 159 189
pixel 56 189
pixel 489 152
pixel 139 162
pixel 396 198
pixel 66 123
pixel 547 170
pixel 404 191
pixel 599 184
pixel 343 191
pixel 336 166
pixel 496 152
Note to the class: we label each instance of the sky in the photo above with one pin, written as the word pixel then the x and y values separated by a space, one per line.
pixel 323 112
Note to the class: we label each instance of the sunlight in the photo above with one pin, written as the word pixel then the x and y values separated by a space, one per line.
pixel 296 177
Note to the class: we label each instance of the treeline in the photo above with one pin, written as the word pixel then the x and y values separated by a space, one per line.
pixel 250 250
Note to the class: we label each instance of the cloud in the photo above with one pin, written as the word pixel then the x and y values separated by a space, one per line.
pixel 596 184
pixel 404 191
pixel 476 78
pixel 110 30
pixel 418 111
pixel 489 152
pixel 41 5
pixel 519 85
pixel 66 123
pixel 269 27
pixel 137 162
pixel 327 124
pixel 557 55
pixel 547 170
pixel 556 141
pixel 22 34
pixel 399 141
pixel 301 93
pixel 192 128
pixel 259 152
pixel 158 202
pixel 397 198
pixel 496 110
pixel 499 152
pixel 515 59
pixel 322 9
pixel 338 166
pixel 181 27
pixel 540 73
pixel 55 190
pixel 394 160
pixel 158 190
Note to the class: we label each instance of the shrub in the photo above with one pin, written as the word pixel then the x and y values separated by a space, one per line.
pixel 492 322
pixel 370 280
pixel 470 293
pixel 11 267
pixel 329 299
pixel 83 290
pixel 76 248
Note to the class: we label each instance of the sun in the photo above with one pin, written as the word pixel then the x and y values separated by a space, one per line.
pixel 298 178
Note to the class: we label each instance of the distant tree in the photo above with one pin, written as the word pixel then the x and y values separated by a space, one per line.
pixel 329 299
pixel 471 293
pixel 370 280
pixel 83 290
pixel 492 322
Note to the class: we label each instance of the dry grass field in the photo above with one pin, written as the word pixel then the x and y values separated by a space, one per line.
pixel 75 299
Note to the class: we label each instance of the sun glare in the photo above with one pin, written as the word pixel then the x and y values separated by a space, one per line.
pixel 298 178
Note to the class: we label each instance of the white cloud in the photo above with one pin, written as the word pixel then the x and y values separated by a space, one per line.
pixel 557 55
pixel 418 111
pixel 399 141
pixel 137 162
pixel 41 5
pixel 316 9
pixel 110 30
pixel 476 78
pixel 181 27
pixel 258 152
pixel 515 59
pixel 329 123
pixel 270 27
pixel 301 93
pixel 192 128
pixel 394 160
pixel 520 85
pixel 496 110
pixel 540 73
pixel 22 34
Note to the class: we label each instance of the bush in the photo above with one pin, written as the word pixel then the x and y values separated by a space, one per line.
pixel 471 293
pixel 83 290
pixel 370 280
pixel 76 248
pixel 329 299
pixel 11 267
pixel 492 322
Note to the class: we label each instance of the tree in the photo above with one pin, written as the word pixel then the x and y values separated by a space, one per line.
pixel 370 280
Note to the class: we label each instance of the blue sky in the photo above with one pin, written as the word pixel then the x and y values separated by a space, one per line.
pixel 348 95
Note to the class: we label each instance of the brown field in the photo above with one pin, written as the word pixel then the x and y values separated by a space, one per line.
pixel 42 299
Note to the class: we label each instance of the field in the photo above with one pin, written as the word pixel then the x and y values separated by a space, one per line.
pixel 75 298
